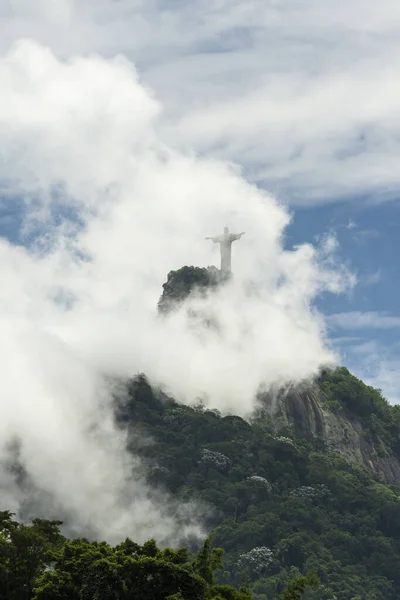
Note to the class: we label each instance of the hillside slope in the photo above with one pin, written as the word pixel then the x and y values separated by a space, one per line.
pixel 278 503
pixel 347 417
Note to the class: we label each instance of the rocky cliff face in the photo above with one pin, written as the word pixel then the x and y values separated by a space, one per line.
pixel 305 411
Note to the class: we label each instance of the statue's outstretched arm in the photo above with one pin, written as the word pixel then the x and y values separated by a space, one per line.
pixel 236 236
pixel 213 239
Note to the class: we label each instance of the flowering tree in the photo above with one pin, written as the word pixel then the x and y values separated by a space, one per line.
pixel 256 560
pixel 216 459
pixel 259 481
pixel 310 491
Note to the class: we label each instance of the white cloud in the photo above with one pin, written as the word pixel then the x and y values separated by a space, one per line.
pixel 82 135
pixel 57 408
pixel 306 98
pixel 361 320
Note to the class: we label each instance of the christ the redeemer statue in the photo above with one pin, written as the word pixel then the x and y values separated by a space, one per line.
pixel 225 243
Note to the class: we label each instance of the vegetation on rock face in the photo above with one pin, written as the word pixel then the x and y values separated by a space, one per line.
pixel 281 506
pixel 181 283
pixel 350 396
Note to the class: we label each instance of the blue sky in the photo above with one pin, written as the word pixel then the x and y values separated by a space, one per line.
pixel 304 97
pixel 365 322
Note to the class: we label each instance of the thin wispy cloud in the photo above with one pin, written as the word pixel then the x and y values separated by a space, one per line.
pixel 360 320
pixel 344 340
pixel 371 279
pixel 351 224
pixel 364 236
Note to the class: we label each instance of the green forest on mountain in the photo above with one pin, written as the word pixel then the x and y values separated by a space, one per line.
pixel 281 506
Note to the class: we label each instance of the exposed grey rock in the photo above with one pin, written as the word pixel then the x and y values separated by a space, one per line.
pixel 305 412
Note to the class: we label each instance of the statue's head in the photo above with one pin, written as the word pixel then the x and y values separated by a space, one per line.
pixel 226 230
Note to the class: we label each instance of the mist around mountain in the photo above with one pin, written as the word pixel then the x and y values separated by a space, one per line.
pixel 294 508
pixel 106 207
pixel 289 518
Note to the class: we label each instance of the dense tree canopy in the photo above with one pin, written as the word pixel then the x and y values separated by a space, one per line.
pixel 38 563
pixel 281 506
